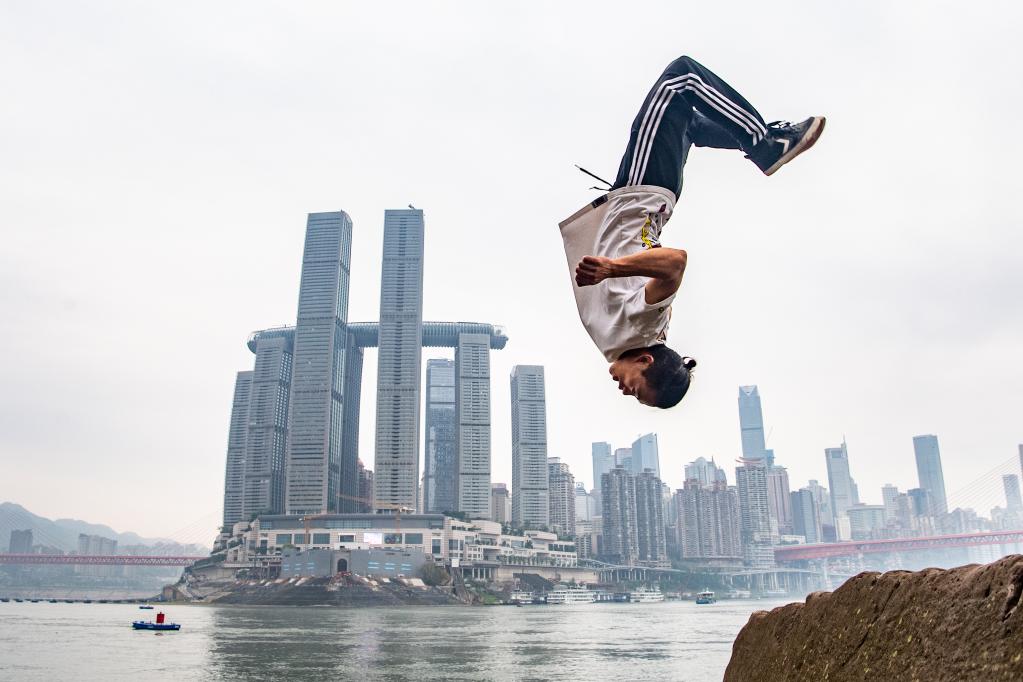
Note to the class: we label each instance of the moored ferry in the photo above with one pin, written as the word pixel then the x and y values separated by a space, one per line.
pixel 706 597
pixel 646 595
pixel 570 595
pixel 520 597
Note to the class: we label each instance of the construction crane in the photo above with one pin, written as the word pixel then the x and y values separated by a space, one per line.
pixel 398 509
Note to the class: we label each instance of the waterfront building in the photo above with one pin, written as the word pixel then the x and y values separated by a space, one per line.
pixel 755 514
pixel 650 520
pixel 530 501
pixel 844 492
pixel 234 476
pixel 805 517
pixel 778 499
pixel 500 503
pixel 645 455
pixel 472 400
pixel 707 520
pixel 928 468
pixel 21 542
pixel 440 473
pixel 618 518
pixel 267 428
pixel 561 493
pixel 751 423
pixel 314 467
pixel 396 470
pixel 866 521
pixel 603 461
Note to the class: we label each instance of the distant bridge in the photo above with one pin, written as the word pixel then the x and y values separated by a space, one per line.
pixel 842 549
pixel 98 560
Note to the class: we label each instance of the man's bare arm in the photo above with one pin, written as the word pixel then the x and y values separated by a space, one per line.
pixel 663 266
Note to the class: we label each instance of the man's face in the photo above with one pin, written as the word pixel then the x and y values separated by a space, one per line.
pixel 628 374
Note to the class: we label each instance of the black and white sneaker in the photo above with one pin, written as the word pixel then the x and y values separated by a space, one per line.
pixel 784 142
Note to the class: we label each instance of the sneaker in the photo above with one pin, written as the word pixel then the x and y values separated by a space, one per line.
pixel 784 142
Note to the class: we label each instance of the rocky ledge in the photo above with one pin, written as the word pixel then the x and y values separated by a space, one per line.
pixel 963 623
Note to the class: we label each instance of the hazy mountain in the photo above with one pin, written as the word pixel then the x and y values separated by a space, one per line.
pixel 63 533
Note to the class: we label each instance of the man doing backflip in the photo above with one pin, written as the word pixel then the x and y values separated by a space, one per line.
pixel 624 282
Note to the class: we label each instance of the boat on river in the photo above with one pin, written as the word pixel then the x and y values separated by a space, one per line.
pixel 570 595
pixel 706 597
pixel 646 595
pixel 146 606
pixel 160 624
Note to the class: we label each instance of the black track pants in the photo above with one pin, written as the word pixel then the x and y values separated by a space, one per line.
pixel 686 92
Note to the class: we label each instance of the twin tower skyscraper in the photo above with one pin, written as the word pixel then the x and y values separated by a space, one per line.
pixel 294 432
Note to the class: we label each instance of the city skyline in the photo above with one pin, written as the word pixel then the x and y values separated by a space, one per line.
pixel 802 304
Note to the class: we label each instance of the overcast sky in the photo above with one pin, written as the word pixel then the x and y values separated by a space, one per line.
pixel 157 161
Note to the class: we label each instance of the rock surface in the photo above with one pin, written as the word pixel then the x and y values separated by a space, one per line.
pixel 963 623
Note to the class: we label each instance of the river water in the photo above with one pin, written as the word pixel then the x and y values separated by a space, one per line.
pixel 668 641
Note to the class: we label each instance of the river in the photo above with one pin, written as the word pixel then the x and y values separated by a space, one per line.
pixel 668 641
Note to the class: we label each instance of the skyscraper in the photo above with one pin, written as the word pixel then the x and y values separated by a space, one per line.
pixel 21 541
pixel 650 537
pixel 500 503
pixel 314 461
pixel 751 423
pixel 779 501
pixel 234 477
pixel 561 495
pixel 707 523
pixel 623 458
pixel 805 517
pixel 530 505
pixel 889 498
pixel 645 455
pixel 620 540
pixel 267 437
pixel 396 473
pixel 472 404
pixel 705 472
pixel 844 493
pixel 1013 500
pixel 928 469
pixel 585 505
pixel 440 479
pixel 755 513
pixel 603 462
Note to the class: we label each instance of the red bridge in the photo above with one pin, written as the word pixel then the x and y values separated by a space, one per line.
pixel 837 549
pixel 116 560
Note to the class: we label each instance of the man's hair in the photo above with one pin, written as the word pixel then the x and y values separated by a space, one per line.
pixel 668 376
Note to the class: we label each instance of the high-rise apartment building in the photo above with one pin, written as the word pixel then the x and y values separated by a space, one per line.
pixel 364 476
pixel 928 469
pixel 234 477
pixel 396 470
pixel 705 472
pixel 866 521
pixel 623 458
pixel 472 400
pixel 650 522
pixel 500 503
pixel 645 455
pixel 561 495
pixel 805 517
pixel 707 520
pixel 751 423
pixel 844 493
pixel 620 541
pixel 266 442
pixel 530 484
pixel 757 537
pixel 313 462
pixel 440 477
pixel 778 499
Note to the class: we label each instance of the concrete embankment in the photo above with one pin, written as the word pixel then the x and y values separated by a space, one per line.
pixel 318 592
pixel 963 623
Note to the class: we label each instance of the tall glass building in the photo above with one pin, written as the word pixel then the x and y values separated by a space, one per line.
pixel 603 461
pixel 313 461
pixel 472 397
pixel 268 424
pixel 844 492
pixel 645 455
pixel 928 469
pixel 234 475
pixel 441 473
pixel 751 423
pixel 530 482
pixel 396 471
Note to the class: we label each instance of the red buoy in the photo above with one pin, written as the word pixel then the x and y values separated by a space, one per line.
pixel 159 617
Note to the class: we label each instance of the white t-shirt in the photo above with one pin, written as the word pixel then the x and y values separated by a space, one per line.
pixel 615 312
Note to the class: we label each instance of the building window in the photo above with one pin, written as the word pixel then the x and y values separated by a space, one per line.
pixel 436 546
pixel 413 538
pixel 392 538
pixel 301 539
pixel 283 539
pixel 321 538
pixel 346 538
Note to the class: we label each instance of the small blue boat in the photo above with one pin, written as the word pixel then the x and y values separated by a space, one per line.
pixel 145 606
pixel 149 625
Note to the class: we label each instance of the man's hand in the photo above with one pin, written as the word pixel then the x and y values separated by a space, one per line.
pixel 593 270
